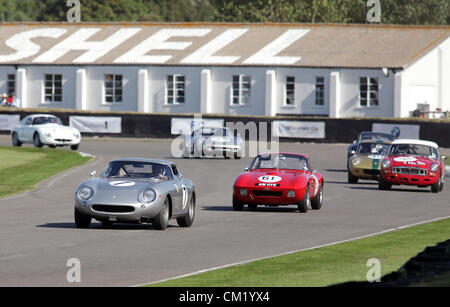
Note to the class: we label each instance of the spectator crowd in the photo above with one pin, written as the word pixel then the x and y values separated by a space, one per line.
pixel 9 101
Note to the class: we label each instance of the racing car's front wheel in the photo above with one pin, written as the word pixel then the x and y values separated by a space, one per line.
pixel 438 186
pixel 383 184
pixel 317 202
pixel 15 140
pixel 161 221
pixel 188 219
pixel 37 141
pixel 82 220
pixel 352 179
pixel 237 205
pixel 304 204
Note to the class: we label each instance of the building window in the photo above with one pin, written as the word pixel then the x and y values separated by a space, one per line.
pixel 175 89
pixel 290 91
pixel 53 88
pixel 368 92
pixel 11 85
pixel 241 89
pixel 320 91
pixel 113 88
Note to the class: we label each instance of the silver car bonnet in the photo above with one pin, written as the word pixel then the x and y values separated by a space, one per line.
pixel 119 190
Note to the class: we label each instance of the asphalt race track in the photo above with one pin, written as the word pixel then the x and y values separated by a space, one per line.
pixel 38 234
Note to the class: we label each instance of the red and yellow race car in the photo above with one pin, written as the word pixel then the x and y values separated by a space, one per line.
pixel 413 162
pixel 279 179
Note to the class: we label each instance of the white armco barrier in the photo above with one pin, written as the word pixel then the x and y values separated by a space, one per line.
pixel 94 124
pixel 7 122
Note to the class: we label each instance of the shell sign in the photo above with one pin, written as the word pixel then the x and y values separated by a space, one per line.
pixel 120 45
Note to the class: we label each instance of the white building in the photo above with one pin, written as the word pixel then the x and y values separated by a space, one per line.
pixel 243 69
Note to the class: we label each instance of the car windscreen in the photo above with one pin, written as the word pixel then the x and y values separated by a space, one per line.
pixel 42 120
pixel 280 161
pixel 414 149
pixel 373 148
pixel 133 169
pixel 376 136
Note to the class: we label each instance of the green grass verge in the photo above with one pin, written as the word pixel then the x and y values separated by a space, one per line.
pixel 21 169
pixel 327 265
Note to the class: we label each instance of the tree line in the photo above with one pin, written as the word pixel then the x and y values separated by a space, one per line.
pixel 417 12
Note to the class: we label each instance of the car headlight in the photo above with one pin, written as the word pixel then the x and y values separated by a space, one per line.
pixel 356 162
pixel 147 196
pixel 48 134
pixel 85 193
pixel 76 135
pixel 386 164
pixel 243 192
pixel 434 167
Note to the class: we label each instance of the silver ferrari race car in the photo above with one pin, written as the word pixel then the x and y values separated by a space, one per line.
pixel 136 191
pixel 213 141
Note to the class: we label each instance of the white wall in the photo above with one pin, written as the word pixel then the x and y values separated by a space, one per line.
pixel 305 97
pixel 428 81
pixel 36 91
pixel 350 106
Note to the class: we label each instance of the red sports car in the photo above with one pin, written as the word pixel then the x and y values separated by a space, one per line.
pixel 279 179
pixel 413 162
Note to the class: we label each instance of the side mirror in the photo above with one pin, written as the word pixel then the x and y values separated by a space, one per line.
pixel 353 152
pixel 444 158
pixel 92 173
pixel 246 169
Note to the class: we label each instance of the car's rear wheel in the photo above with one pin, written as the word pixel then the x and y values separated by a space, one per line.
pixel 305 203
pixel 237 205
pixel 37 141
pixel 188 219
pixel 436 187
pixel 82 220
pixel 75 147
pixel 352 179
pixel 383 184
pixel 161 221
pixel 317 202
pixel 15 140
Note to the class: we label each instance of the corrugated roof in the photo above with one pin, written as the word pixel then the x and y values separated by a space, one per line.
pixel 266 44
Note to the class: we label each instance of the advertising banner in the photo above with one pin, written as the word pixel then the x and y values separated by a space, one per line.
pixel 93 124
pixel 298 129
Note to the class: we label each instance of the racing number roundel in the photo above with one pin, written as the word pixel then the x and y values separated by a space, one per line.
pixel 269 179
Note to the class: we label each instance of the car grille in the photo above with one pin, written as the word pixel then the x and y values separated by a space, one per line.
pixel 259 193
pixel 113 209
pixel 63 140
pixel 410 171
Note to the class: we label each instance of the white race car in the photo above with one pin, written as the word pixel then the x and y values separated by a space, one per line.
pixel 44 129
